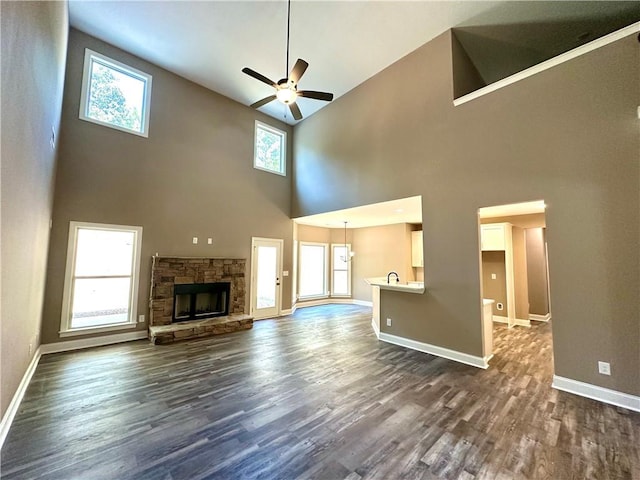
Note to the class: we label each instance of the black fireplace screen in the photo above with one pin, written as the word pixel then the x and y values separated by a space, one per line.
pixel 200 300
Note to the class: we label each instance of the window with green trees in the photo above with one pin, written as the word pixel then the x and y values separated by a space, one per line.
pixel 270 150
pixel 115 95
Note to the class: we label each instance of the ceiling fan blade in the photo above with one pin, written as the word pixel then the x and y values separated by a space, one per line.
pixel 297 71
pixel 295 111
pixel 258 76
pixel 327 97
pixel 262 102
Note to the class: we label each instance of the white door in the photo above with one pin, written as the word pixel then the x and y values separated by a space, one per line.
pixel 266 276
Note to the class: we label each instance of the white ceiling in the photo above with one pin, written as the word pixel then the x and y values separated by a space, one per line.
pixel 524 208
pixel 345 42
pixel 404 210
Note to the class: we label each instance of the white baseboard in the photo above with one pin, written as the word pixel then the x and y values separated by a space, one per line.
pixel 330 301
pixel 435 350
pixel 287 311
pixel 605 395
pixel 517 321
pixel 540 318
pixel 93 342
pixel 376 330
pixel 10 414
pixel 363 303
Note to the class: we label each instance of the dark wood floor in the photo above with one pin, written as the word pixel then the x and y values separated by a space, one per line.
pixel 313 396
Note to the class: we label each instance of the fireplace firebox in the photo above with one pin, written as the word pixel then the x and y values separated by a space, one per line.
pixel 197 301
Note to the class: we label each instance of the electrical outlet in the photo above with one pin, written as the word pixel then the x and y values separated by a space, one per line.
pixel 388 322
pixel 209 241
pixel 195 240
pixel 493 276
pixel 141 318
pixel 604 368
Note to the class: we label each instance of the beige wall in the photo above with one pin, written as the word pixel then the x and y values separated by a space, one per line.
pixel 568 135
pixel 520 284
pixel 537 271
pixel 34 44
pixel 380 250
pixel 193 176
pixel 493 263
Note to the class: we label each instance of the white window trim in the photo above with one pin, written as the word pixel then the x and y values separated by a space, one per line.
pixel 89 55
pixel 283 154
pixel 327 256
pixel 341 295
pixel 65 319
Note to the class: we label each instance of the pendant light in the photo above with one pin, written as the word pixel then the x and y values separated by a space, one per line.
pixel 346 258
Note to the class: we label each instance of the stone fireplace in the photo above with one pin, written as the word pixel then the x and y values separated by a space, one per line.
pixel 196 297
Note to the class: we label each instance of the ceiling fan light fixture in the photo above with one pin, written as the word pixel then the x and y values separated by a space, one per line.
pixel 286 95
pixel 287 88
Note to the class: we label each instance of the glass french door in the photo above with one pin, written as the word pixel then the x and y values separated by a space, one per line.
pixel 266 277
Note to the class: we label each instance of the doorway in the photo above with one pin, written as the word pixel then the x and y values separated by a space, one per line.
pixel 266 275
pixel 514 262
pixel 514 268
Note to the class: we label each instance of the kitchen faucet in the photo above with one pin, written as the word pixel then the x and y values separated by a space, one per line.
pixel 393 273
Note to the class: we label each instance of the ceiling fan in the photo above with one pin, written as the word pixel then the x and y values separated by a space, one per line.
pixel 287 88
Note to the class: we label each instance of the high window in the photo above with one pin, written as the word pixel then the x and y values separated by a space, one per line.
pixel 340 271
pixel 101 280
pixel 270 149
pixel 115 95
pixel 313 269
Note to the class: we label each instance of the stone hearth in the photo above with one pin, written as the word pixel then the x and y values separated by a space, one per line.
pixel 167 272
pixel 199 328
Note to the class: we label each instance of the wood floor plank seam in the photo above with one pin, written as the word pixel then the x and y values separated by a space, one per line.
pixel 312 395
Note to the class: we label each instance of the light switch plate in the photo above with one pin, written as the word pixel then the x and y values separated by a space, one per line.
pixel 195 240
pixel 285 273
pixel 493 276
pixel 209 241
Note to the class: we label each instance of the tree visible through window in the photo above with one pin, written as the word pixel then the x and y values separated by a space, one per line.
pixel 115 95
pixel 107 102
pixel 270 149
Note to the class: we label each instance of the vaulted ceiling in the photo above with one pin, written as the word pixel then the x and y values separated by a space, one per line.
pixel 345 42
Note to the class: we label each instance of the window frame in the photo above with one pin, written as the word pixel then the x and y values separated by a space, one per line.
pixel 333 270
pixel 89 57
pixel 66 329
pixel 283 153
pixel 325 271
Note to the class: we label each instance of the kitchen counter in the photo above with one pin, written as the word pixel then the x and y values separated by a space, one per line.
pixel 407 287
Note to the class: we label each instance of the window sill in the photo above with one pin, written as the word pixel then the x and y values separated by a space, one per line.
pixel 312 297
pixel 89 330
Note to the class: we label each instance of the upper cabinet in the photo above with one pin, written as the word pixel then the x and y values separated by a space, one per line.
pixel 417 259
pixel 493 236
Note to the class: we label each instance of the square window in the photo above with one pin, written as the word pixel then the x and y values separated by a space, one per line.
pixel 115 95
pixel 270 149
